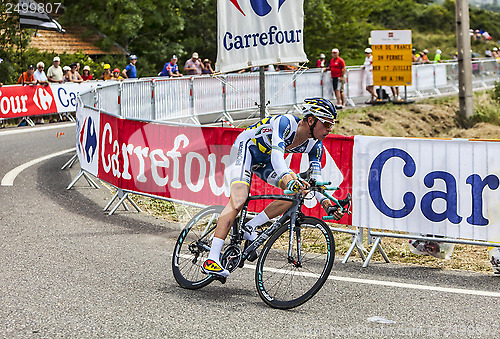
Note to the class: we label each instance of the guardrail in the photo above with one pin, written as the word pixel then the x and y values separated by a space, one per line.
pixel 204 99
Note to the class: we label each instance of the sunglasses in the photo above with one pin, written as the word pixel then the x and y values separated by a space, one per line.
pixel 326 123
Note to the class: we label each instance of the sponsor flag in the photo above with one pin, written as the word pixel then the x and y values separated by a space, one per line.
pixel 255 33
pixel 33 16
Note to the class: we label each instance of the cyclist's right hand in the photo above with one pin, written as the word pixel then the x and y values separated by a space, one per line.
pixel 294 185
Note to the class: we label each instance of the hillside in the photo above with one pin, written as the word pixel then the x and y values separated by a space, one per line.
pixel 435 118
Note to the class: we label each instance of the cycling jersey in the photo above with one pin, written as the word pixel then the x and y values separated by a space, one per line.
pixel 261 148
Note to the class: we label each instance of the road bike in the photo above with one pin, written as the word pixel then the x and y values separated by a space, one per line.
pixel 294 262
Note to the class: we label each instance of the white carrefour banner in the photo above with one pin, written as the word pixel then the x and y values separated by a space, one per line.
pixel 87 138
pixel 427 186
pixel 259 32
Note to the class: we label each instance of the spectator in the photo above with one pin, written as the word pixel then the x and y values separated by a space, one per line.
pixel 495 53
pixel 424 59
pixel 207 67
pixel 395 93
pixel 193 66
pixel 77 67
pixel 488 53
pixel 67 71
pixel 116 74
pixel 106 75
pixel 27 77
pixel 86 76
pixel 39 74
pixel 486 36
pixel 437 57
pixel 74 76
pixel 477 35
pixel 55 72
pixel 321 61
pixel 171 69
pixel 130 71
pixel 368 67
pixel 414 55
pixel 337 70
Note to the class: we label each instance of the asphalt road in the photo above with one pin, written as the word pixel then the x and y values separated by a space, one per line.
pixel 69 270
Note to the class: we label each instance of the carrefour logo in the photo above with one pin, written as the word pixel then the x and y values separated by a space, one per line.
pixel 88 139
pixel 273 35
pixel 42 99
pixel 260 7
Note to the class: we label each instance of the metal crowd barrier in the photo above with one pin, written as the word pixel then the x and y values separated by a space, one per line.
pixel 205 99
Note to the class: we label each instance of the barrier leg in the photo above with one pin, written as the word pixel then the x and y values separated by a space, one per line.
pixel 79 175
pixel 132 202
pixel 123 197
pixel 111 201
pixel 354 245
pixel 28 121
pixel 376 245
pixel 70 162
pixel 90 181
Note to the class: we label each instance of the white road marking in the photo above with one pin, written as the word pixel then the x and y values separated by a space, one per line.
pixel 384 283
pixel 36 129
pixel 8 179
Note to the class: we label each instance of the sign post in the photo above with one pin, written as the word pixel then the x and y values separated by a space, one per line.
pixel 392 58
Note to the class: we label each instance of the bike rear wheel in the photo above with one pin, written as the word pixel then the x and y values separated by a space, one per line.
pixel 192 249
pixel 284 283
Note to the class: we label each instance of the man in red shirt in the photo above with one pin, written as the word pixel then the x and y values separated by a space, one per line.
pixel 337 69
pixel 27 77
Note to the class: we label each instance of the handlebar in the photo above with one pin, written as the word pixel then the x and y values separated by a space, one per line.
pixel 322 187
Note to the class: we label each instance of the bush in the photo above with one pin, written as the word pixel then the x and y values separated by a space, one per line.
pixel 496 92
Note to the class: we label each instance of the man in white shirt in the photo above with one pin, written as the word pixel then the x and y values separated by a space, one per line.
pixel 55 72
pixel 39 74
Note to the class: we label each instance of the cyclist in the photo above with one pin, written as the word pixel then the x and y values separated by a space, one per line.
pixel 265 143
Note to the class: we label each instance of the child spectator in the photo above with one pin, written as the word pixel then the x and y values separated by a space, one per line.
pixel 86 76
pixel 106 75
pixel 437 57
pixel 321 61
pixel 116 74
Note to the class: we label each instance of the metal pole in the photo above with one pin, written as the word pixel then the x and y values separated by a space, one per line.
pixel 465 99
pixel 262 92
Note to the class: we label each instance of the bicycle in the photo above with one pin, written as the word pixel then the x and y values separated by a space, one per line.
pixel 292 266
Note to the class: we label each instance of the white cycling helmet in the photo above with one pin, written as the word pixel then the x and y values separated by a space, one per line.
pixel 321 108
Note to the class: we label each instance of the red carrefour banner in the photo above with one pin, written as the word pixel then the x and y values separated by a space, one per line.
pixel 192 163
pixel 21 101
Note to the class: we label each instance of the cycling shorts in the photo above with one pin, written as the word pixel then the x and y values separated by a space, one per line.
pixel 246 158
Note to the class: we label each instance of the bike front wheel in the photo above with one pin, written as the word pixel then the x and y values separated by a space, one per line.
pixel 192 249
pixel 285 281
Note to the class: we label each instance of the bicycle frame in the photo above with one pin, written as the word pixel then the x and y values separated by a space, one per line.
pixel 291 214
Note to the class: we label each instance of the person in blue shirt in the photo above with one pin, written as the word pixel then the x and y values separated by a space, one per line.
pixel 171 69
pixel 130 71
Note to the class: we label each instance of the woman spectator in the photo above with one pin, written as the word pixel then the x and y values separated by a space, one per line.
pixel 66 72
pixel 86 76
pixel 208 67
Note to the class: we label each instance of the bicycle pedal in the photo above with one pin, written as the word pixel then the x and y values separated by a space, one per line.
pixel 252 256
pixel 219 278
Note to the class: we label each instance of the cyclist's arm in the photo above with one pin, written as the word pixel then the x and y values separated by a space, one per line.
pixel 280 126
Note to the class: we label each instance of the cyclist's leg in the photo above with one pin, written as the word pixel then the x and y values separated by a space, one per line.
pixel 241 161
